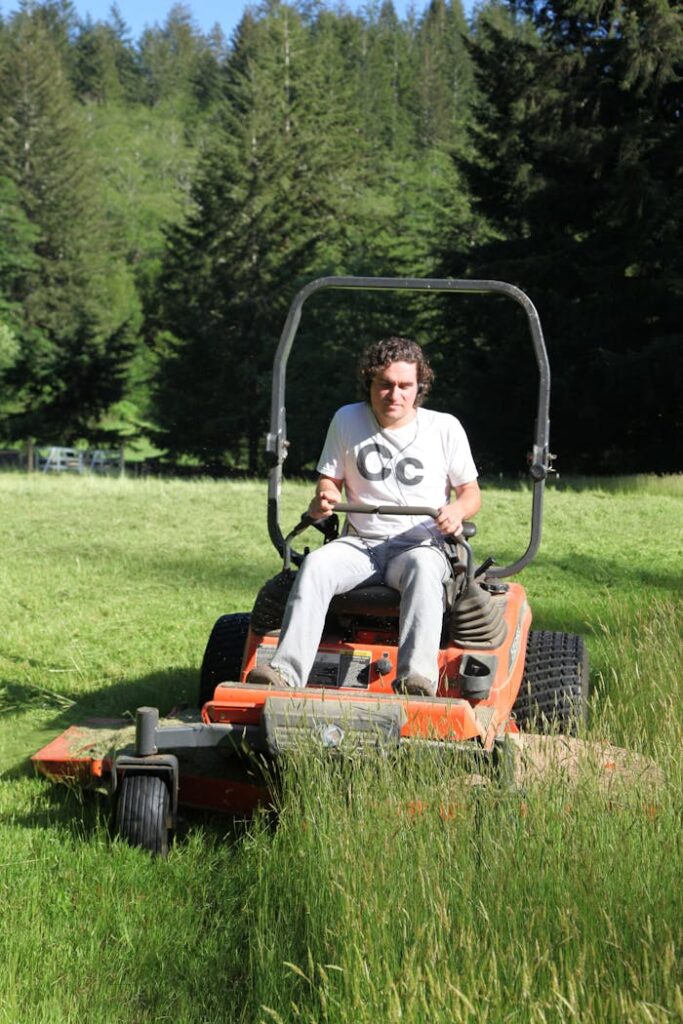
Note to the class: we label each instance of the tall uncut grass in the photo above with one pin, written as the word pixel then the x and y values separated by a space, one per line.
pixel 387 890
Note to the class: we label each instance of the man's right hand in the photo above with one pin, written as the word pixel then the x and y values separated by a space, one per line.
pixel 327 494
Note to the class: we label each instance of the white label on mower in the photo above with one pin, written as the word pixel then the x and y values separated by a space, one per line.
pixel 341 668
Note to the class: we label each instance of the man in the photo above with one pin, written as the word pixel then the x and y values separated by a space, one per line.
pixel 385 450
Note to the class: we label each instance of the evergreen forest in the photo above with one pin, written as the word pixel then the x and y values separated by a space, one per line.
pixel 163 199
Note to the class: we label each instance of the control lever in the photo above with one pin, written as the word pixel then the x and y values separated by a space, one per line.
pixel 485 566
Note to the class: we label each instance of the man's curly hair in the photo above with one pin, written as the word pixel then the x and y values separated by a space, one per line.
pixel 393 350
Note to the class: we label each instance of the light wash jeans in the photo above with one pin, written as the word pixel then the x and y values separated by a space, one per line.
pixel 418 572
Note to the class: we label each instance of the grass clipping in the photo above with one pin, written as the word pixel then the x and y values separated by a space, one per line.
pixel 569 759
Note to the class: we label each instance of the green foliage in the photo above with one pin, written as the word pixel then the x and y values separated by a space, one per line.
pixel 9 347
pixel 308 170
pixel 145 164
pixel 185 187
pixel 270 206
pixel 577 169
pixel 17 260
pixel 179 64
pixel 443 82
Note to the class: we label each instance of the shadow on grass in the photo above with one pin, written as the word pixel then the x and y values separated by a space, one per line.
pixel 640 483
pixel 164 689
pixel 82 814
pixel 66 807
pixel 557 621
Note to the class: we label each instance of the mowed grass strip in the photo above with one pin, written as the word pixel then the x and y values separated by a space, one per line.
pixel 384 894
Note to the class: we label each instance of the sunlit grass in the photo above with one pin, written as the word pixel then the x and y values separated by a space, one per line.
pixel 667 484
pixel 390 892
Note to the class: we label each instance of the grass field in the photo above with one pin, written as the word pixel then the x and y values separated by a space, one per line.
pixel 563 906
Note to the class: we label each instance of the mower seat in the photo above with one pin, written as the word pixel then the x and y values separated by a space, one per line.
pixel 377 600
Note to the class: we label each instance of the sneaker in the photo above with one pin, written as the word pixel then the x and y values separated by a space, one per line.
pixel 416 686
pixel 266 675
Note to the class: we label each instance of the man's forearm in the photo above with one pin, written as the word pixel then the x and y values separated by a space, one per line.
pixel 468 500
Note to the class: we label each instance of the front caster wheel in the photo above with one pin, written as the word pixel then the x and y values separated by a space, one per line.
pixel 143 813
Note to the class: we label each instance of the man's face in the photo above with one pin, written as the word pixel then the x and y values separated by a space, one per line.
pixel 392 394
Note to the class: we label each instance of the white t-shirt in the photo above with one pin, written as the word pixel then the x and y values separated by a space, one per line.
pixel 417 464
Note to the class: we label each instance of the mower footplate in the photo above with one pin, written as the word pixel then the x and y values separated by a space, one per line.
pixel 446 719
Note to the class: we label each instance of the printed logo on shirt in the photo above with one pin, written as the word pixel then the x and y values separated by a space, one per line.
pixel 371 467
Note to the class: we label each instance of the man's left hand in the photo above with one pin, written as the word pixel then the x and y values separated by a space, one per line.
pixel 449 519
pixel 466 504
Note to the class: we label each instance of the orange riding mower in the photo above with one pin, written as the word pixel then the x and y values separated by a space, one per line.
pixel 496 676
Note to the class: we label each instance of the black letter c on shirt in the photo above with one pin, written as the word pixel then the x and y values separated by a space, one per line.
pixel 403 477
pixel 362 461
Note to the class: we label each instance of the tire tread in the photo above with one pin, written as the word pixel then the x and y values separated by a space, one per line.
pixel 223 655
pixel 142 813
pixel 554 690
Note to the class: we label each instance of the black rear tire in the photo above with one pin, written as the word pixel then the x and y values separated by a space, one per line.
pixel 223 655
pixel 143 813
pixel 553 696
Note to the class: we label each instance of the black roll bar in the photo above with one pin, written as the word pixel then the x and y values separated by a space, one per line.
pixel 276 441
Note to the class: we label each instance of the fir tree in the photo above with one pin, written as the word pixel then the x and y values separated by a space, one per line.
pixel 443 81
pixel 71 325
pixel 106 66
pixel 173 59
